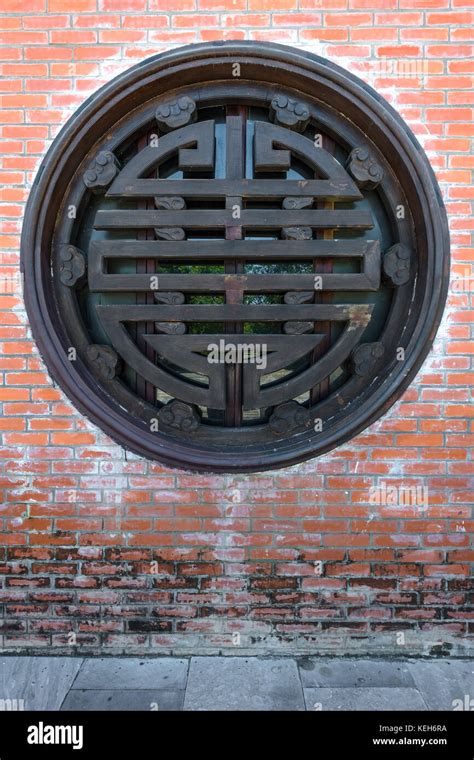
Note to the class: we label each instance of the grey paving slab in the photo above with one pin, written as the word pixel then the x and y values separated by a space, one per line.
pixel 365 698
pixel 133 673
pixel 442 683
pixel 41 682
pixel 317 672
pixel 240 683
pixel 147 700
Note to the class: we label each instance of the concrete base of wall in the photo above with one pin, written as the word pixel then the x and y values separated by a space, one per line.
pixel 432 644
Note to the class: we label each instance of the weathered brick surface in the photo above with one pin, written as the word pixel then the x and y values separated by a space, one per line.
pixel 101 551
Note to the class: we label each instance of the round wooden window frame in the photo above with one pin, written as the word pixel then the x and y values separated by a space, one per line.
pixel 194 64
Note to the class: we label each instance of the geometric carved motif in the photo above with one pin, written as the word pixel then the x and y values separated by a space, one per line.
pixel 238 275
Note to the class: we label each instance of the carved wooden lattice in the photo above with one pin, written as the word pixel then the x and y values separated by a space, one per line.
pixel 245 222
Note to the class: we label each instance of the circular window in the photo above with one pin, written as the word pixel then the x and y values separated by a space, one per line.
pixel 235 257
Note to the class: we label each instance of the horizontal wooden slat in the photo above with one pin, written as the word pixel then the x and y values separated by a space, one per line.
pixel 237 249
pixel 216 283
pixel 235 313
pixel 335 189
pixel 249 218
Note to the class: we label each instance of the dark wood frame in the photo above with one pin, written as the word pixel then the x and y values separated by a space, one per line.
pixel 269 68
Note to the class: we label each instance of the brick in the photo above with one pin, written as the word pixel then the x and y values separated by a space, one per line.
pixel 23 38
pixel 122 36
pixel 347 19
pixel 12 22
pixel 425 4
pixel 377 33
pixel 136 22
pixel 333 34
pixel 75 6
pixel 122 5
pixel 47 21
pixel 175 6
pixel 460 67
pixel 431 33
pixel 24 69
pixel 247 19
pixel 271 5
pixel 464 33
pixel 74 69
pixel 449 51
pixel 352 51
pixel 196 20
pixel 448 114
pixel 98 52
pixel 398 19
pixel 73 37
pixel 10 54
pixel 399 51
pixel 450 19
pixel 222 5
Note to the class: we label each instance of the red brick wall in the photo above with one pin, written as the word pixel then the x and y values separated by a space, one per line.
pixel 100 550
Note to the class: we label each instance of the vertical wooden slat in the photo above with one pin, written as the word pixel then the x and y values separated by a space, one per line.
pixel 235 169
pixel 323 266
pixel 145 389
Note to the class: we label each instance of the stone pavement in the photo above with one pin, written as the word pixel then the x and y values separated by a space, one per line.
pixel 234 683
